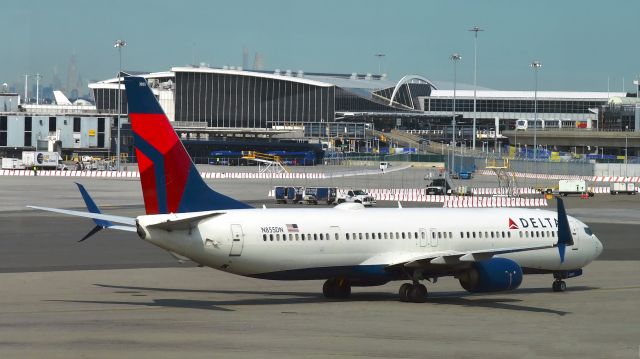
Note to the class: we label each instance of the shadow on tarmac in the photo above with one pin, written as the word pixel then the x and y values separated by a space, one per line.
pixel 485 300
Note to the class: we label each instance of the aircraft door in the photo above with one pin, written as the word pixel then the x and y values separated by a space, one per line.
pixel 433 237
pixel 422 239
pixel 576 237
pixel 237 240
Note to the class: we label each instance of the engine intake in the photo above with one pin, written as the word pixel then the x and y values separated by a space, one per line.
pixel 493 275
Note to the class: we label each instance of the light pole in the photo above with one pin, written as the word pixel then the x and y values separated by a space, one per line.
pixel 38 77
pixel 515 140
pixel 119 45
pixel 535 65
pixel 626 156
pixel 26 80
pixel 380 57
pixel 455 58
pixel 475 29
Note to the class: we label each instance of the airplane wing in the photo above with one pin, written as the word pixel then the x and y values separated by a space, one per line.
pixel 455 258
pixel 413 260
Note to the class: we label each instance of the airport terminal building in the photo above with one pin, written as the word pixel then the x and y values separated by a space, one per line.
pixel 215 108
pixel 236 98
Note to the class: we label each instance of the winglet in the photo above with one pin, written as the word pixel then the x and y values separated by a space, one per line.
pixel 93 208
pixel 564 231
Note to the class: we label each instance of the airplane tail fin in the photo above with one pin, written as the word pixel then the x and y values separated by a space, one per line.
pixel 61 99
pixel 564 231
pixel 170 181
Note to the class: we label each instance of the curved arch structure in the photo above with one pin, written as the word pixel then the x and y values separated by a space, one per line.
pixel 405 80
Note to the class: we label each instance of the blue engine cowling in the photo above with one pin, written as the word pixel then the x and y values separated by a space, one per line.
pixel 493 275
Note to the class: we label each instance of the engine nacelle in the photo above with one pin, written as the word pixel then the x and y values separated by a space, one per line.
pixel 493 275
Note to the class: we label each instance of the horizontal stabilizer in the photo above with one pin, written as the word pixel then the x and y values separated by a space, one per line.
pixel 105 217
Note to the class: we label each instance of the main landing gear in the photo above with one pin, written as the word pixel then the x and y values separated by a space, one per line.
pixel 336 288
pixel 559 285
pixel 416 293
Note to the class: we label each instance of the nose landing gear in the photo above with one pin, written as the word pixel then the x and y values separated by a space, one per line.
pixel 559 285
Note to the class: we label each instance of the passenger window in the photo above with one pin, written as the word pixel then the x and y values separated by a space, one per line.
pixel 366 235
pixel 337 237
pixel 277 237
pixel 264 237
pixel 450 235
pixel 479 234
pixel 327 236
pixel 468 235
pixel 461 234
pixel 474 234
pixel 297 237
pixel 520 234
pixel 315 236
pixel 492 234
pixel 503 235
pixel 509 234
pixel 403 237
pixel 385 235
pixel 321 237
pixel 486 234
pixel 397 235
pixel 379 235
pixel 271 237
pixel 360 235
pixel 347 236
pixel 391 235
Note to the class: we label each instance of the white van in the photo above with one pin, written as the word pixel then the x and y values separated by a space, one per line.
pixel 384 165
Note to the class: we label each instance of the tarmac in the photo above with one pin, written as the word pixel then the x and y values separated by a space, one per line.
pixel 114 295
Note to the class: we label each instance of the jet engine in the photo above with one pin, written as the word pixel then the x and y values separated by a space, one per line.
pixel 493 275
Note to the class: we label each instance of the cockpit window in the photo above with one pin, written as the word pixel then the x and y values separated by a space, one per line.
pixel 588 231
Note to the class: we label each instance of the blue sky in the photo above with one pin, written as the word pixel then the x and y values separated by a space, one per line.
pixel 580 43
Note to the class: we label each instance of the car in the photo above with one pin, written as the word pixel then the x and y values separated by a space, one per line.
pixel 434 190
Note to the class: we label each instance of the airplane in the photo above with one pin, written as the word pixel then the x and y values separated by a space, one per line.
pixel 487 249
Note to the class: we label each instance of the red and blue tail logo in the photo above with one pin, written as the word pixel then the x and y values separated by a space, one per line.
pixel 170 181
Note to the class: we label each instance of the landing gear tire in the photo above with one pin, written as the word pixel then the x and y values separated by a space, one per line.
pixel 404 292
pixel 418 294
pixel 559 286
pixel 336 288
pixel 328 288
pixel 413 293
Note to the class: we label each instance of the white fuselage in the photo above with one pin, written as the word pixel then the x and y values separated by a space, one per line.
pixel 262 242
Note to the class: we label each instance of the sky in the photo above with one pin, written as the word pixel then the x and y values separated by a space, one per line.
pixel 582 44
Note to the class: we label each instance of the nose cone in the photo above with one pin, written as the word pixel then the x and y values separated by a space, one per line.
pixel 599 246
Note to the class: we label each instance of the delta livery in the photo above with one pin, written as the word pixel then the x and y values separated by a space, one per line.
pixel 347 246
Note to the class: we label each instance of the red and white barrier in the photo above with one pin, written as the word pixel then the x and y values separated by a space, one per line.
pixel 615 179
pixel 476 202
pixel 494 190
pixel 538 175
